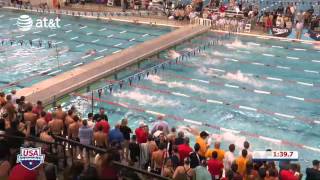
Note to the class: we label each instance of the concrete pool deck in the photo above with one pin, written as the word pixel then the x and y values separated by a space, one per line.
pixel 74 79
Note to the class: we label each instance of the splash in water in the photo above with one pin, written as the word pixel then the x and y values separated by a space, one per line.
pixel 240 77
pixel 236 44
pixel 172 54
pixel 145 99
pixel 157 80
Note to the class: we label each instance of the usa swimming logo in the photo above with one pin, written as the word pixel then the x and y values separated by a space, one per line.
pixel 25 23
pixel 30 158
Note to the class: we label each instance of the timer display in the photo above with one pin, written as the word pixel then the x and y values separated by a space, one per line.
pixel 275 155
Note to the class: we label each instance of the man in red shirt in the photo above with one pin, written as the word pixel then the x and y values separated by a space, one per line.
pixel 288 173
pixel 215 166
pixel 141 133
pixel 105 125
pixel 184 150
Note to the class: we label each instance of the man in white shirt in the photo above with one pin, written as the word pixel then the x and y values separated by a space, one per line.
pixel 229 157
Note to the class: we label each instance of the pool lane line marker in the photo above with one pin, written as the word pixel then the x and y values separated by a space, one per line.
pixel 299 49
pixel 232 105
pixel 86 56
pixel 73 38
pixel 68 31
pixel 132 39
pixel 102 50
pixel 241 51
pixel 116 51
pixel 122 32
pixel 280 47
pixel 83 27
pixel 145 35
pixel 36 32
pixel 75 65
pixel 269 55
pixel 254 44
pixel 118 45
pixel 67 63
pixel 1 16
pixel 20 36
pixel 199 123
pixel 89 33
pixel 94 41
pixel 67 25
pixel 37 39
pixel 45 71
pixel 103 29
pixel 52 35
pixel 295 58
pixel 54 72
pixel 99 57
pixel 111 35
pixel 60 42
pixel 316 61
pixel 80 45
pixel 272 66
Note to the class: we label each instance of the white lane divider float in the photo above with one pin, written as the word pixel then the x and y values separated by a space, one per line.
pixel 316 61
pixel 103 29
pixel 269 55
pixel 54 72
pixel 73 38
pixel 290 57
pixel 52 35
pixel 274 79
pixel 254 44
pixel 67 25
pixel 214 101
pixel 180 94
pixel 94 41
pixel 241 51
pixel 311 71
pixel 284 115
pixel 67 63
pixel 280 47
pixel 123 32
pixel 116 51
pixel 20 36
pixel 45 71
pixel 155 113
pixel 219 70
pixel 68 31
pixel 283 67
pixel 59 42
pixel 305 84
pixel 36 32
pixel 118 45
pixel 78 64
pixel 80 45
pixel 294 97
pixel 299 49
pixel 193 122
pixel 145 35
pixel 111 35
pixel 200 80
pixel 37 39
pixel 86 56
pixel 99 57
pixel 258 64
pixel 102 50
pixel 132 39
pixel 231 86
pixel 248 108
pixel 1 16
pixel 89 33
pixel 83 27
pixel 261 92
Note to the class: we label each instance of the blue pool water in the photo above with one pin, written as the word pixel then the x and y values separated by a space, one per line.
pixel 26 65
pixel 267 88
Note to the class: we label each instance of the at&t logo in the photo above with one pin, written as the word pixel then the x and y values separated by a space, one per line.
pixel 25 23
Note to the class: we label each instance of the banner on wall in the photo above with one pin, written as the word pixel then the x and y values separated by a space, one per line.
pixel 281 32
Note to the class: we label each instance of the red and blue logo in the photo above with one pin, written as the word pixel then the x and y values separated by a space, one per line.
pixel 30 158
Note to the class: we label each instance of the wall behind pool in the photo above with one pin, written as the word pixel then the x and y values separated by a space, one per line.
pixel 304 36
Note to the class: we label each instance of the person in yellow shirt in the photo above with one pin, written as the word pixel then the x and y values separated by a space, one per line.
pixel 241 161
pixel 218 150
pixel 201 140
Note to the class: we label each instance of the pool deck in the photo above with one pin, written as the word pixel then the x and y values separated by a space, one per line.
pixel 72 80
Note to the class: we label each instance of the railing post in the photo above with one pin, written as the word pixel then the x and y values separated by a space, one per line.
pixel 54 103
pixel 88 88
pixel 92 101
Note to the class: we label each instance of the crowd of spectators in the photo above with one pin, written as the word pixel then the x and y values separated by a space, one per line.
pixel 160 149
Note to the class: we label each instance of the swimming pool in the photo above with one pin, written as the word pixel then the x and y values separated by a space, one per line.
pixel 78 41
pixel 241 88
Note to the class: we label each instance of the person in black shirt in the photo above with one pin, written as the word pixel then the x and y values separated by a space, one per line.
pixel 101 115
pixel 195 157
pixel 180 139
pixel 126 131
pixel 134 149
pixel 314 172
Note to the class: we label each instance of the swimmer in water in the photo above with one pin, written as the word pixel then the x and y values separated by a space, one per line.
pixel 92 52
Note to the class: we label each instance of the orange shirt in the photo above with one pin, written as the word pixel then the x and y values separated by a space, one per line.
pixel 219 151
pixel 203 146
pixel 241 162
